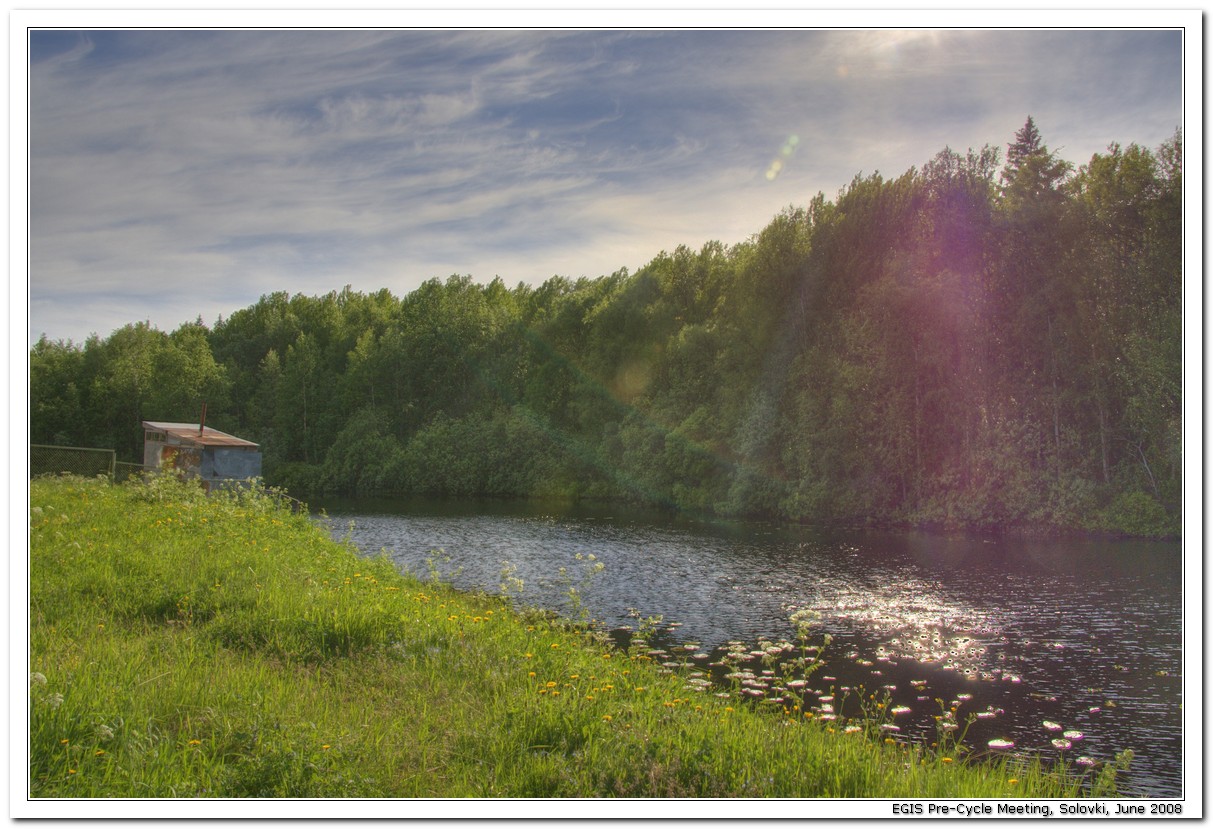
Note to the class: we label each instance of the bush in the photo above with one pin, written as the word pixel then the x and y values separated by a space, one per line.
pixel 1138 513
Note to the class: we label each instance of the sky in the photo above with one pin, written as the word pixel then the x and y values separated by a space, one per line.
pixel 177 174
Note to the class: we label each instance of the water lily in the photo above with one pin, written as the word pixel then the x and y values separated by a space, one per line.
pixel 1051 726
pixel 1072 735
pixel 1061 744
pixel 1085 761
pixel 1001 744
pixel 899 709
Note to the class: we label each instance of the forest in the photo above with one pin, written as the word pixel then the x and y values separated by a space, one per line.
pixel 977 344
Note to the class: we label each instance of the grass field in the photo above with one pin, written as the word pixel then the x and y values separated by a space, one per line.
pixel 186 646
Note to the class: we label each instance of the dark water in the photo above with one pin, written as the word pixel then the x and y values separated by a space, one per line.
pixel 1086 634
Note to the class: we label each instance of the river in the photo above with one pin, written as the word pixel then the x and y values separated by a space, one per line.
pixel 1086 635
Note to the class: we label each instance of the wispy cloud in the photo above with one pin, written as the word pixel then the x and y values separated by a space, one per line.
pixel 184 173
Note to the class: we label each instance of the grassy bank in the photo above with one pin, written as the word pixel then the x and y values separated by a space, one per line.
pixel 185 646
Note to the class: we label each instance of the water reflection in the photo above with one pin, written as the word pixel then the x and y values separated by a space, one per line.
pixel 1083 634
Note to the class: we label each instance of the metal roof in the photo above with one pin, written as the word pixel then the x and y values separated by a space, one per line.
pixel 190 433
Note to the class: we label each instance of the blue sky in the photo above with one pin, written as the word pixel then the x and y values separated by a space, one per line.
pixel 183 173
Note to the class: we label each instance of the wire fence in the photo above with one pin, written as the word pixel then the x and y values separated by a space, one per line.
pixel 71 460
pixel 90 463
pixel 124 471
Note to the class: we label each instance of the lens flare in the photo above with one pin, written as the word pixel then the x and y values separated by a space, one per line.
pixel 785 152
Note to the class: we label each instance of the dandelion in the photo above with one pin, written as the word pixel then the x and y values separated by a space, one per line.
pixel 1013 780
pixel 63 742
pixel 98 752
pixel 530 673
pixel 945 760
pixel 195 742
pixel 606 718
pixel 551 684
pixel 325 747
pixel 555 644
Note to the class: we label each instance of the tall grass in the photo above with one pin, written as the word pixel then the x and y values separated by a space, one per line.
pixel 191 646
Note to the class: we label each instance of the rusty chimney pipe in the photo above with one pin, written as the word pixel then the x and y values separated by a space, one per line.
pixel 202 425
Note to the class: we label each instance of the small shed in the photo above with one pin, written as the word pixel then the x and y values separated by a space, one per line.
pixel 199 451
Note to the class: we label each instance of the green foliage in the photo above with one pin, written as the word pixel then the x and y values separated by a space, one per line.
pixel 1137 513
pixel 961 345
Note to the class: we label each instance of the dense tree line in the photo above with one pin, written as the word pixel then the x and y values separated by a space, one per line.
pixel 974 343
